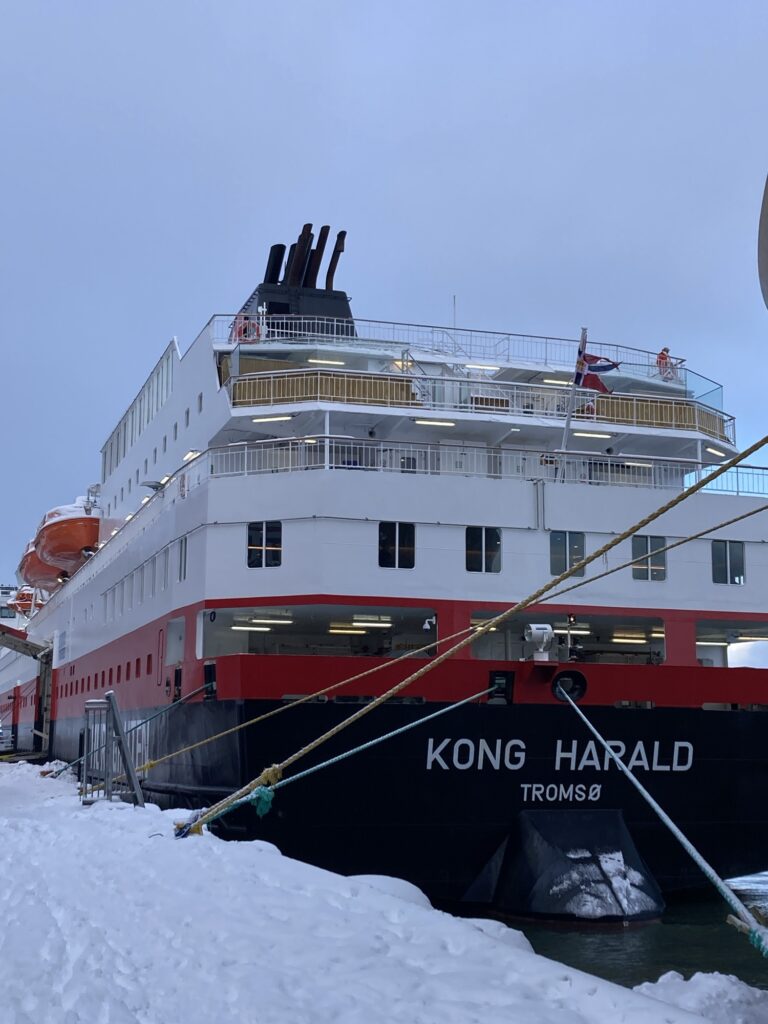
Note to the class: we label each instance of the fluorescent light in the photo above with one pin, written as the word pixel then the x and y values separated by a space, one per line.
pixel 327 362
pixel 274 622
pixel 752 637
pixel 144 500
pixel 270 419
pixel 164 480
pixel 309 440
pixel 190 455
pixel 113 533
pixel 551 380
pixel 573 632
pixel 350 632
pixel 628 640
pixel 252 629
pixel 657 634
pixel 480 366
pixel 714 451
pixel 129 517
pixel 711 643
pixel 434 423
pixel 640 465
pixel 586 433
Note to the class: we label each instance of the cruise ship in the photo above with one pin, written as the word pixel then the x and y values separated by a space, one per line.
pixel 301 495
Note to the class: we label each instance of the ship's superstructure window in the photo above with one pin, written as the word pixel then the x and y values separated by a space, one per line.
pixel 566 548
pixel 728 561
pixel 483 549
pixel 200 402
pixel 654 561
pixel 265 544
pixel 182 559
pixel 318 629
pixel 397 545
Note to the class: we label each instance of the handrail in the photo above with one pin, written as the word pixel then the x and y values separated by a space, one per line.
pixel 467 395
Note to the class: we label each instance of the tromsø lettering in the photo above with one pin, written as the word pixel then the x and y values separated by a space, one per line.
pixel 463 754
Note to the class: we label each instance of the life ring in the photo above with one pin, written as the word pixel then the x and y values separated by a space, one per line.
pixel 246 329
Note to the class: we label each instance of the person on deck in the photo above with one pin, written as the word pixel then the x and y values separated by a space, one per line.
pixel 664 364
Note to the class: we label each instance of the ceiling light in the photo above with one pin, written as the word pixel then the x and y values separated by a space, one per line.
pixel 640 465
pixel 586 433
pixel 113 533
pixel 434 423
pixel 144 500
pixel 327 362
pixel 752 637
pixel 190 455
pixel 252 629
pixel 274 622
pixel 551 380
pixel 270 419
pixel 480 366
pixel 711 643
pixel 714 451
pixel 350 632
pixel 573 632
pixel 164 480
pixel 309 440
pixel 129 517
pixel 628 640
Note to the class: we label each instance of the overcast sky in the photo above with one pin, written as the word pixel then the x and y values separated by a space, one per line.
pixel 553 163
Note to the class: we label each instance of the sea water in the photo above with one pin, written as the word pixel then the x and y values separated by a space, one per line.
pixel 692 936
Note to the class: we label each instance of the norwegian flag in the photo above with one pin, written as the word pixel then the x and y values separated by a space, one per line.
pixel 594 366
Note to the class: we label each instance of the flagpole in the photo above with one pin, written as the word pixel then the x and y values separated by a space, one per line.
pixel 578 377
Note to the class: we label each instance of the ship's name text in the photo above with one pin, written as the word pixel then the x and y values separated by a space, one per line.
pixel 569 755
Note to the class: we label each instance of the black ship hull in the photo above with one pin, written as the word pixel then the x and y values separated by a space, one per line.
pixel 433 804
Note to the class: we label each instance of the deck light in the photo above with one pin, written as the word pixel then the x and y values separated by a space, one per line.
pixel 752 637
pixel 640 465
pixel 711 643
pixel 164 480
pixel 192 454
pixel 129 517
pixel 714 451
pixel 273 622
pixel 270 419
pixel 551 380
pixel 480 366
pixel 113 533
pixel 574 632
pixel 145 499
pixel 629 640
pixel 327 362
pixel 252 629
pixel 351 632
pixel 434 423
pixel 587 433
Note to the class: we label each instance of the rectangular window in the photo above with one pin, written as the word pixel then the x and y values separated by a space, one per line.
pixel 566 548
pixel 165 569
pixel 728 561
pixel 483 549
pixel 397 545
pixel 654 563
pixel 265 544
pixel 182 559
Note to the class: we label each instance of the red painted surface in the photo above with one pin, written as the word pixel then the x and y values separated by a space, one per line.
pixel 680 682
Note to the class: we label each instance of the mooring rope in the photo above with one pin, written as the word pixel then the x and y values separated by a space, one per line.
pixel 272 774
pixel 758 934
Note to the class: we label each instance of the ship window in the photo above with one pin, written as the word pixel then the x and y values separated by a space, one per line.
pixel 265 544
pixel 6 613
pixel 200 402
pixel 154 456
pixel 129 485
pixel 483 549
pixel 138 668
pixel 375 631
pixel 186 417
pixel 129 592
pixel 102 679
pixel 566 548
pixel 175 431
pixel 728 561
pixel 182 559
pixel 127 671
pixel 146 468
pixel 397 545
pixel 110 677
pixel 166 561
pixel 174 647
pixel 119 670
pixel 149 664
pixel 165 443
pixel 654 561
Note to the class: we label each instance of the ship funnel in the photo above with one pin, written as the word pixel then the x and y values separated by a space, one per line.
pixel 300 257
pixel 315 258
pixel 338 249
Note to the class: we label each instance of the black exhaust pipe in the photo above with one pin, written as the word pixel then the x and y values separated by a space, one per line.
pixel 338 249
pixel 289 263
pixel 315 258
pixel 274 263
pixel 300 257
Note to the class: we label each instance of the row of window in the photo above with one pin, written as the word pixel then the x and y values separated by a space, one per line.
pixel 482 546
pixel 152 577
pixel 83 684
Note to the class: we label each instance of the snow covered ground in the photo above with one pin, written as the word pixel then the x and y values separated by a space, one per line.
pixel 106 919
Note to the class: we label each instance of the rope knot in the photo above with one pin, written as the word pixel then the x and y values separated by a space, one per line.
pixel 272 775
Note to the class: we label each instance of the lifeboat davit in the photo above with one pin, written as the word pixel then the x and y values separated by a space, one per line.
pixel 37 573
pixel 24 601
pixel 68 535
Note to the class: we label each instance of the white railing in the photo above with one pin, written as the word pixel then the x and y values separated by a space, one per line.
pixel 449 394
pixel 345 454
pixel 454 342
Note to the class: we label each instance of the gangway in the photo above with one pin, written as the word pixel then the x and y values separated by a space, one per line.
pixel 16 640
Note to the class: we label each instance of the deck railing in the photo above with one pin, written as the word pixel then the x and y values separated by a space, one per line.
pixel 449 395
pixel 336 453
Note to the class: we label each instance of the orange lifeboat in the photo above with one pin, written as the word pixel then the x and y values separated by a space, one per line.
pixel 68 535
pixel 37 573
pixel 24 602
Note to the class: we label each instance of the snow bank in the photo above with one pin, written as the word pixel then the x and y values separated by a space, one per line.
pixel 717 997
pixel 105 918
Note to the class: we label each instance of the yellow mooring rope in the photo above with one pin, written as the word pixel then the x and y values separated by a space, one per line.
pixel 272 774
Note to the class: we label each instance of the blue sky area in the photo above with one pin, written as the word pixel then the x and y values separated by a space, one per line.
pixel 552 164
